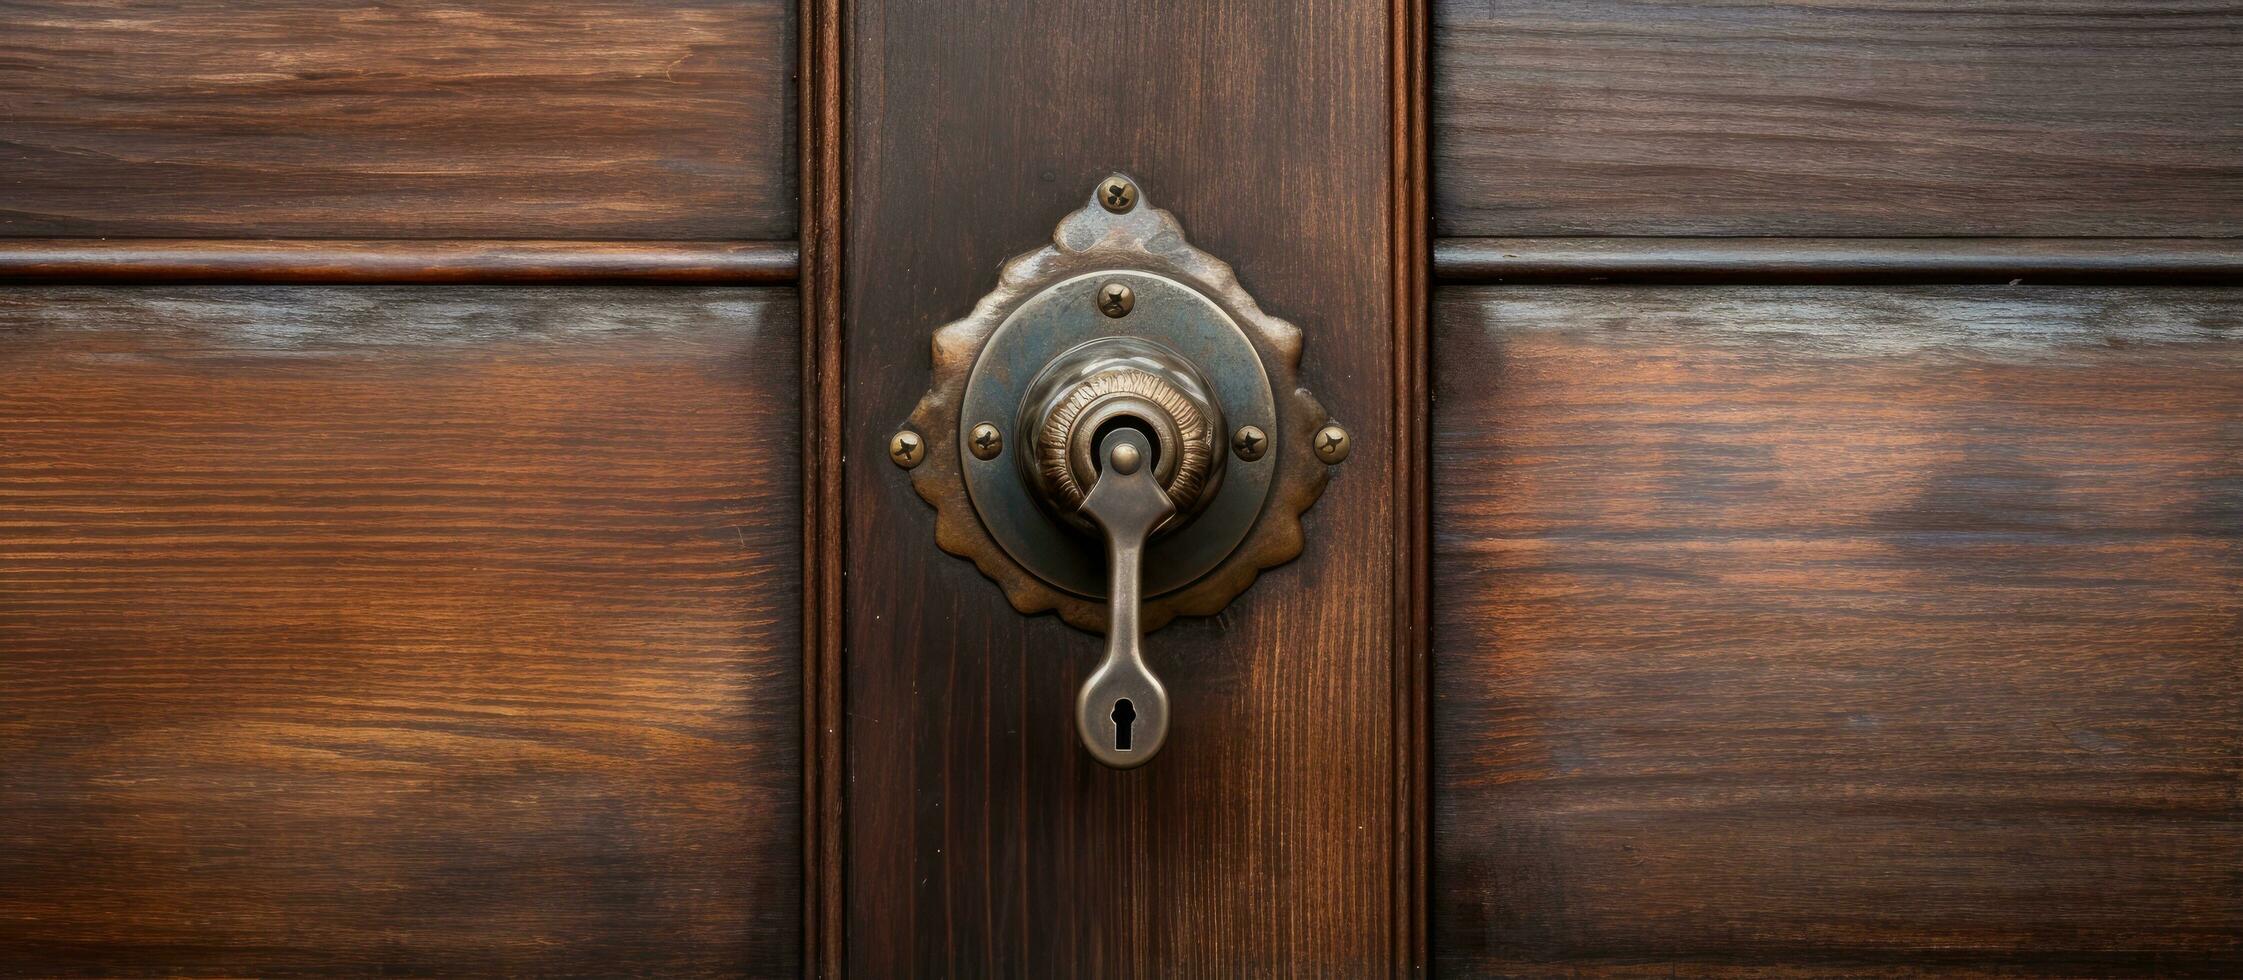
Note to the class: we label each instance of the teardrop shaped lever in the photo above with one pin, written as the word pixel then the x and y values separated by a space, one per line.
pixel 1122 712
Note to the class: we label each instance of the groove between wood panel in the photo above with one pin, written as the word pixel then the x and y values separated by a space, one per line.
pixel 395 261
pixel 1412 609
pixel 2038 261
pixel 818 89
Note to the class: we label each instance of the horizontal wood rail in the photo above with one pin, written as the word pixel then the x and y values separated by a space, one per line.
pixel 2035 261
pixel 382 261
pixel 1741 261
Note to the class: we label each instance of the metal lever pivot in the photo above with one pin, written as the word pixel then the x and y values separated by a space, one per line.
pixel 1122 712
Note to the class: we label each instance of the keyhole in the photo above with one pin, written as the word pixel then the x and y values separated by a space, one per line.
pixel 1124 713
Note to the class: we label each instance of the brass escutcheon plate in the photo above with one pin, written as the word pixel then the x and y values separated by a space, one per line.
pixel 1060 318
pixel 1046 302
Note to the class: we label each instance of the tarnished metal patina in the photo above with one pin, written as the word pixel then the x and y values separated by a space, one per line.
pixel 1119 321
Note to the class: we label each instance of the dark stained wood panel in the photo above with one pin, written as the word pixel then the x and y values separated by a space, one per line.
pixel 322 119
pixel 399 631
pixel 1883 117
pixel 980 838
pixel 1826 631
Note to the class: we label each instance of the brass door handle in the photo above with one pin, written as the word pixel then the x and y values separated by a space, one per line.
pixel 1118 432
pixel 1122 711
pixel 1123 450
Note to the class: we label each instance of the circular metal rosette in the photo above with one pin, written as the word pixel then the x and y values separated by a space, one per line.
pixel 1192 346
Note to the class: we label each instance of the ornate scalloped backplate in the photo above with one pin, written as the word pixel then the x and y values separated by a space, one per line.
pixel 1142 239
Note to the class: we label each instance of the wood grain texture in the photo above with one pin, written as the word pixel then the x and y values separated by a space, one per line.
pixel 981 839
pixel 1881 117
pixel 392 261
pixel 394 631
pixel 1830 631
pixel 330 119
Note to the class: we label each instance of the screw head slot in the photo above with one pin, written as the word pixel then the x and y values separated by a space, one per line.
pixel 906 449
pixel 986 441
pixel 1250 442
pixel 1116 299
pixel 1333 444
pixel 1117 194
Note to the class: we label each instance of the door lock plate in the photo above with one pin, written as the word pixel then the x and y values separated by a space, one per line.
pixel 1057 370
pixel 1118 325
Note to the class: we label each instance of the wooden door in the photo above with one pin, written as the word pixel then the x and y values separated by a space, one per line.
pixel 447 523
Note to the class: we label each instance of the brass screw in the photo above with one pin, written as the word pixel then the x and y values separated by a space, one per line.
pixel 906 449
pixel 1116 299
pixel 1332 444
pixel 986 441
pixel 1250 443
pixel 1117 194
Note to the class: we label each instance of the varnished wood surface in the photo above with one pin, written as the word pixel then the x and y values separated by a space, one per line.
pixel 1918 261
pixel 1834 631
pixel 1410 452
pixel 398 631
pixel 392 261
pixel 1887 117
pixel 315 119
pixel 980 838
pixel 824 451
